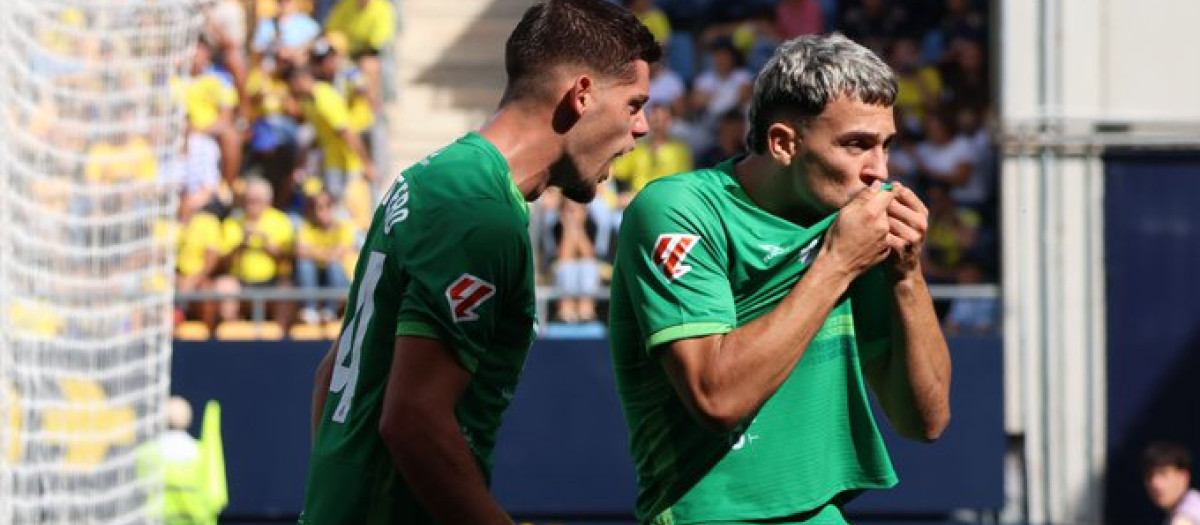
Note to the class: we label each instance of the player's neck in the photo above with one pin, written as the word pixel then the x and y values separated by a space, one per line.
pixel 528 144
pixel 770 186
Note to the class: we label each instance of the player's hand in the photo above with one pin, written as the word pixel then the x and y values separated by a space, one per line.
pixel 908 223
pixel 858 238
pixel 369 171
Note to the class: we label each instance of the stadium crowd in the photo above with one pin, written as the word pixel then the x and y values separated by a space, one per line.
pixel 285 94
pixel 696 115
pixel 276 186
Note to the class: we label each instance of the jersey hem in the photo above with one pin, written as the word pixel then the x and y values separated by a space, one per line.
pixel 684 331
pixel 782 511
pixel 417 328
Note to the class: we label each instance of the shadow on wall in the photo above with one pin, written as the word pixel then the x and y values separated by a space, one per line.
pixel 1152 245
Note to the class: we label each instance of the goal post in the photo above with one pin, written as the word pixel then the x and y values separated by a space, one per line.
pixel 89 129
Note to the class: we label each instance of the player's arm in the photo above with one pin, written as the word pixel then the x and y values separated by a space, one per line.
pixel 912 380
pixel 321 384
pixel 422 433
pixel 724 378
pixel 354 140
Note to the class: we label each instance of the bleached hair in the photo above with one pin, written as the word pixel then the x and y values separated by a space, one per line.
pixel 807 72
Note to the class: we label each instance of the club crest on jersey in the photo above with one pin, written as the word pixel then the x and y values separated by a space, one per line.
pixel 670 250
pixel 465 294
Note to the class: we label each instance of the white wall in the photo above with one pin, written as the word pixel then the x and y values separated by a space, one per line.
pixel 1085 60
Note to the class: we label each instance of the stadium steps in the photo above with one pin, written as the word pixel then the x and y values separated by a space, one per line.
pixel 450 71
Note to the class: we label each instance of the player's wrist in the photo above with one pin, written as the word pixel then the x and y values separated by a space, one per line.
pixel 906 282
pixel 827 270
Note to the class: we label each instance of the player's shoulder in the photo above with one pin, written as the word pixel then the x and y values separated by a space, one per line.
pixel 683 190
pixel 459 174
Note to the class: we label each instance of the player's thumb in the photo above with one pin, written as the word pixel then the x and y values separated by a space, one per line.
pixel 877 197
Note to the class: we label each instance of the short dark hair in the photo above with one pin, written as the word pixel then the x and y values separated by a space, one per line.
pixel 1166 454
pixel 596 34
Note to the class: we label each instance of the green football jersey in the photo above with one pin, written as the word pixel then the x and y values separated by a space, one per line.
pixel 698 257
pixel 447 256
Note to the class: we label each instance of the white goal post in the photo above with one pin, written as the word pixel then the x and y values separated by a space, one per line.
pixel 89 125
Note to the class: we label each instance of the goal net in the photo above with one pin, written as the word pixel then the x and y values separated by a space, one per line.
pixel 88 128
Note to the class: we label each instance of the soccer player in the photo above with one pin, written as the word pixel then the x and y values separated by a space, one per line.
pixel 753 303
pixel 441 311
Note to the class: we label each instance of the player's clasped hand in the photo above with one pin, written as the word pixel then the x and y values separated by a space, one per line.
pixel 859 237
pixel 908 220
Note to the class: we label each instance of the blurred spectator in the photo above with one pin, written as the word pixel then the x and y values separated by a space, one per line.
pixel 343 152
pixel 576 275
pixel 210 102
pixel 322 248
pixel 944 156
pixel 667 87
pixel 1167 472
pixel 953 231
pixel 960 21
pixel 273 131
pixel 757 37
pixel 657 155
pixel 875 23
pixel 731 139
pixel 225 29
pixel 971 315
pixel 966 77
pixel 257 239
pixel 197 170
pixel 331 65
pixel 919 85
pixel 225 23
pixel 368 26
pixel 197 253
pixel 285 31
pixel 799 17
pixel 652 17
pixel 127 158
pixel 978 191
pixel 723 86
pixel 902 159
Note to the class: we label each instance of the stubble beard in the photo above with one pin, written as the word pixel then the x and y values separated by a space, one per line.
pixel 566 176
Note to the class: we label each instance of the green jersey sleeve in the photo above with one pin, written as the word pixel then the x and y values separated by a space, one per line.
pixel 671 252
pixel 467 268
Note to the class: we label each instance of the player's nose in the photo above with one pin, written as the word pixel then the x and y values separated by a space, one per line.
pixel 640 125
pixel 876 166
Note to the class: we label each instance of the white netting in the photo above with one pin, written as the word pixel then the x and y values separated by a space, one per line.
pixel 88 123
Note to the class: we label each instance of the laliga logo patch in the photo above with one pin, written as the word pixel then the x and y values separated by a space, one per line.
pixel 465 294
pixel 671 249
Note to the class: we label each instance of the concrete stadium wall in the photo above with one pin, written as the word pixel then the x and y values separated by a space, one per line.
pixel 1076 77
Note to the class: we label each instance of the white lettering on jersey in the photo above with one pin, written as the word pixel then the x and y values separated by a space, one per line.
pixel 773 251
pixel 465 294
pixel 396 204
pixel 670 250
pixel 807 252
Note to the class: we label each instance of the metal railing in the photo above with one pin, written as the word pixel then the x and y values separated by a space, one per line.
pixel 259 297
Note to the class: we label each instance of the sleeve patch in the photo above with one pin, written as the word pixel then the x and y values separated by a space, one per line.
pixel 670 250
pixel 465 294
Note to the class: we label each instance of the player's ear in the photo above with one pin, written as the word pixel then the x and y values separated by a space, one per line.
pixel 582 94
pixel 782 142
